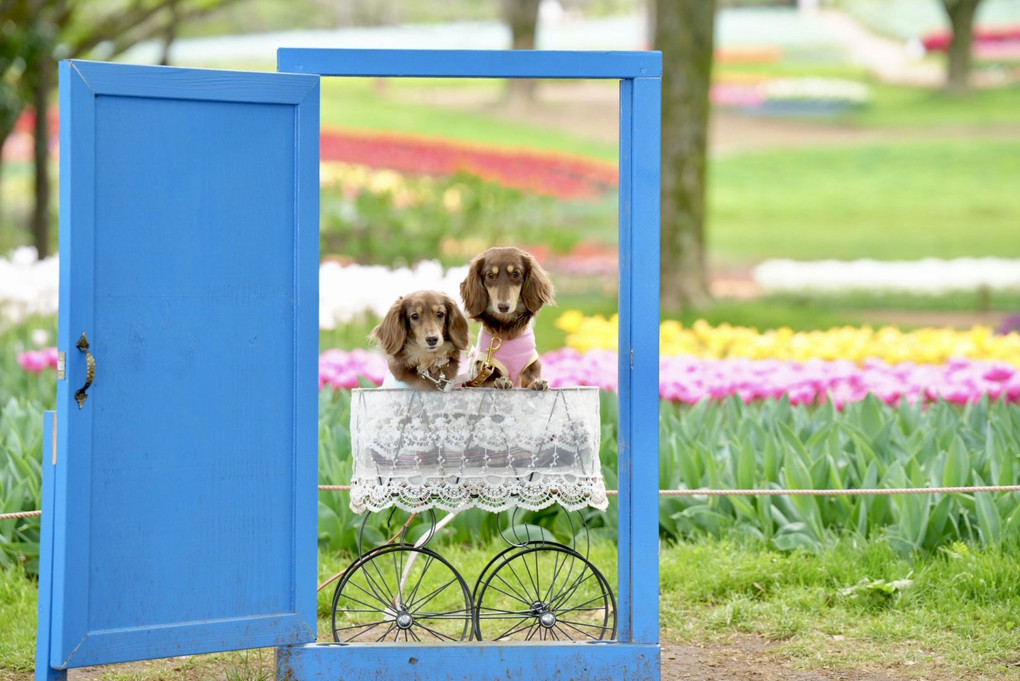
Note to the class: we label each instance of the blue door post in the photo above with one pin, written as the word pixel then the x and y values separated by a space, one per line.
pixel 640 122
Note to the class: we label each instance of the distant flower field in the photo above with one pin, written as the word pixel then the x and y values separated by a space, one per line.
pixel 559 175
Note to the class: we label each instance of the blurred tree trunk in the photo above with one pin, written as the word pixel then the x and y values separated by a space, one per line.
pixel 40 225
pixel 170 32
pixel 46 17
pixel 522 18
pixel 961 17
pixel 684 31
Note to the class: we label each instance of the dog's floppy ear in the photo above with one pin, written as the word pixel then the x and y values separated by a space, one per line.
pixel 391 333
pixel 456 325
pixel 538 289
pixel 472 290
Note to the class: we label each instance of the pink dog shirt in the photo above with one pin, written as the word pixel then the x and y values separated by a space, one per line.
pixel 512 357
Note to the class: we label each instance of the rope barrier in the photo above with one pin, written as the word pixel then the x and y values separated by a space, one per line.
pixel 833 492
pixel 23 514
pixel 790 492
pixel 728 493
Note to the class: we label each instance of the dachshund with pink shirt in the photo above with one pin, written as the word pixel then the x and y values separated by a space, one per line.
pixel 504 289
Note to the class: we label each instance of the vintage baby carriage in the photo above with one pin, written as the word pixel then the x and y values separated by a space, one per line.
pixel 498 450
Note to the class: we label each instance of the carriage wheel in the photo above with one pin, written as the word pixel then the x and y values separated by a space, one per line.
pixel 545 593
pixel 498 559
pixel 401 593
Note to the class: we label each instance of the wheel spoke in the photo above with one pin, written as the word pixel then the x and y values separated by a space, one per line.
pixel 359 626
pixel 380 593
pixel 414 607
pixel 514 629
pixel 527 596
pixel 398 571
pixel 421 577
pixel 371 594
pixel 566 595
pixel 390 598
pixel 503 614
pixel 514 596
pixel 557 567
pixel 531 577
pixel 437 634
pixel 386 633
pixel 579 607
pixel 583 633
pixel 448 615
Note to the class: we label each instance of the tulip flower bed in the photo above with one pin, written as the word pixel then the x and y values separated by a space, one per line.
pixel 718 363
pixel 558 175
pixel 867 444
pixel 992 42
pixel 765 423
pixel 792 96
pixel 856 344
pixel 690 380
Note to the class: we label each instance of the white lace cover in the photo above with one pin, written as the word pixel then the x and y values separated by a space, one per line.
pixel 495 449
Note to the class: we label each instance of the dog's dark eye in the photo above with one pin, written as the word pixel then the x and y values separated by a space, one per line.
pixel 516 274
pixel 440 314
pixel 490 275
pixel 414 316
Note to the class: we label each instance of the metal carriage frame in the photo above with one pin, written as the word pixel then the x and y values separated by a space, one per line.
pixel 147 544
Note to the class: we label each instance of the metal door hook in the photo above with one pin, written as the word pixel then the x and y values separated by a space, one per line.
pixel 90 373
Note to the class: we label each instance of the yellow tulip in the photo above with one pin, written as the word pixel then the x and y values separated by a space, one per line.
pixel 888 343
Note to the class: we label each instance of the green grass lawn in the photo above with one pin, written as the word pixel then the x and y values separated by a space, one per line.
pixel 953 614
pixel 907 107
pixel 889 201
pixel 374 104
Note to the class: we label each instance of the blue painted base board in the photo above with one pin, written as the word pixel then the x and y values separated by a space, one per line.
pixel 466 661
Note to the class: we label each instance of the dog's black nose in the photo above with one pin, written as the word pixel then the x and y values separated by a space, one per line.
pixel 431 341
pixel 503 307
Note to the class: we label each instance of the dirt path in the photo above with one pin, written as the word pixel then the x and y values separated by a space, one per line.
pixel 746 658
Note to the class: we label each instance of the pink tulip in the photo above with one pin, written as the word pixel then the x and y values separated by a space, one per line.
pixel 689 379
pixel 35 361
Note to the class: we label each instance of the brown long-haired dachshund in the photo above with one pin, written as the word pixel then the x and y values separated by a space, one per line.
pixel 423 335
pixel 504 289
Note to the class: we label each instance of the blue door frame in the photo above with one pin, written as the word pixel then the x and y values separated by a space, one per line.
pixel 635 654
pixel 196 419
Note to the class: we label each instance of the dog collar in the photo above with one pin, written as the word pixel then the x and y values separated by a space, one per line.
pixel 442 383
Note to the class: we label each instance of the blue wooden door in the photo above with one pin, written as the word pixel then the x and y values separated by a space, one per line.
pixel 185 477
